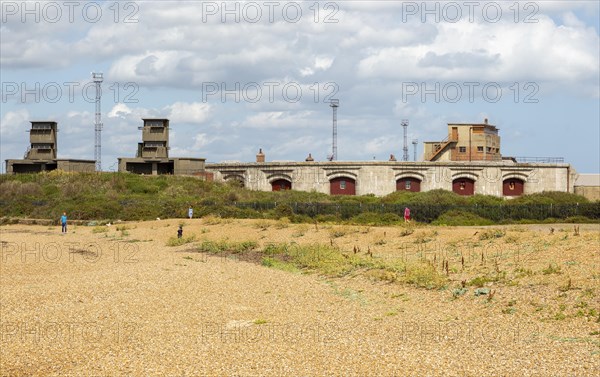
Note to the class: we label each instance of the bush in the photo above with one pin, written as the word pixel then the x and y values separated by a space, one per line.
pixel 458 218
pixel 371 218
pixel 424 275
pixel 128 196
pixel 328 218
pixel 490 234
pixel 549 197
pixel 580 220
pixel 174 241
pixel 283 210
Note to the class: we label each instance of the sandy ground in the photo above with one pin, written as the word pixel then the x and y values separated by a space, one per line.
pixel 121 302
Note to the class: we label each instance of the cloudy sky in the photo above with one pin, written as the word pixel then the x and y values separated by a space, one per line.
pixel 234 77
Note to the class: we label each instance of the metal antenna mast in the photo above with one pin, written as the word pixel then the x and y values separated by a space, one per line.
pixel 414 143
pixel 97 77
pixel 405 149
pixel 334 104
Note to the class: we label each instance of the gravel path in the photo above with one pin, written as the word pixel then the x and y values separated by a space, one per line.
pixel 123 303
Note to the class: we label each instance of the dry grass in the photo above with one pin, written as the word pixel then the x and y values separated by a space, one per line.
pixel 89 303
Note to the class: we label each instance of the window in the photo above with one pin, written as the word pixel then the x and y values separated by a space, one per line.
pixel 154 144
pixel 489 149
pixel 462 149
pixel 342 185
pixel 41 146
pixel 480 149
pixel 407 185
pixel 41 126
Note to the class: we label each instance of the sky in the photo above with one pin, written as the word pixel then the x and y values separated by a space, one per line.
pixel 236 76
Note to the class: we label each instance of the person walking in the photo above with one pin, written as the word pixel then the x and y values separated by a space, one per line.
pixel 63 222
pixel 190 212
pixel 406 215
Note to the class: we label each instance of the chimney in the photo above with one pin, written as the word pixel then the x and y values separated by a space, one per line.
pixel 309 158
pixel 260 156
pixel 392 157
pixel 485 121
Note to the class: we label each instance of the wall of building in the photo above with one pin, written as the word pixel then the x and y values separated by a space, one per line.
pixel 188 166
pixel 588 185
pixel 36 166
pixel 175 166
pixel 380 178
pixel 590 192
pixel 79 166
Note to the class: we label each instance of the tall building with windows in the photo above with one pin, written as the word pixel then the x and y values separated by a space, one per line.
pixel 152 156
pixel 465 142
pixel 41 154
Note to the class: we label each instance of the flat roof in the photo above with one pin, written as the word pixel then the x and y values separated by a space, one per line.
pixel 588 180
pixel 474 124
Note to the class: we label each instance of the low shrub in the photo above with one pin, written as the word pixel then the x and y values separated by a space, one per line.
pixel 174 241
pixel 459 217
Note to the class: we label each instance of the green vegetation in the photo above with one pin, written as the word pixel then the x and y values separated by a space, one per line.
pixel 327 260
pixel 124 196
pixel 491 234
pixel 461 218
pixel 174 241
pixel 552 269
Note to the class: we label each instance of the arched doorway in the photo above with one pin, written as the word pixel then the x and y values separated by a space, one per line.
pixel 463 186
pixel 408 184
pixel 281 185
pixel 513 187
pixel 342 186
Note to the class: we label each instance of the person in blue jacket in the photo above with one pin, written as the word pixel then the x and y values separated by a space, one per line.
pixel 63 222
pixel 190 212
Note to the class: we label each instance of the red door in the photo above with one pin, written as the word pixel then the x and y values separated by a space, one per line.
pixel 281 185
pixel 408 184
pixel 513 187
pixel 463 186
pixel 342 186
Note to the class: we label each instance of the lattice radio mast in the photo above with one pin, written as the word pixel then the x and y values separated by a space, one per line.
pixel 405 148
pixel 97 77
pixel 334 104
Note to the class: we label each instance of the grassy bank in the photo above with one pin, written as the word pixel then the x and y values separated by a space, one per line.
pixel 117 196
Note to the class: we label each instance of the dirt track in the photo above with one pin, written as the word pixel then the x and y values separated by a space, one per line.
pixel 123 303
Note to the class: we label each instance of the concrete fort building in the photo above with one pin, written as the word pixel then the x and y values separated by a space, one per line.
pixel 467 162
pixel 465 142
pixel 152 156
pixel 41 155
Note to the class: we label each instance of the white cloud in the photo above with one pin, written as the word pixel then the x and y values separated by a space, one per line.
pixel 120 110
pixel 14 122
pixel 183 112
pixel 278 119
pixel 323 62
pixel 369 53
